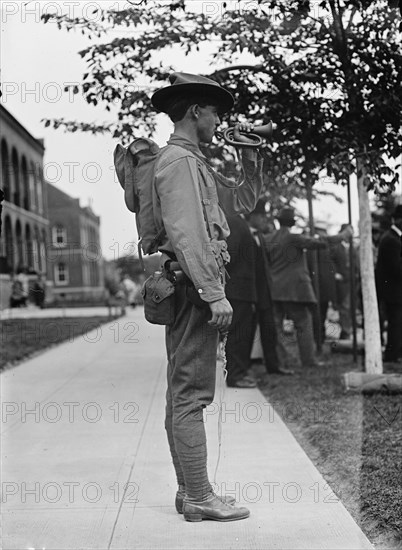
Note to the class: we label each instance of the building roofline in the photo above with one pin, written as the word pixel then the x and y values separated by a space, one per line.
pixel 37 141
pixel 83 209
pixel 69 197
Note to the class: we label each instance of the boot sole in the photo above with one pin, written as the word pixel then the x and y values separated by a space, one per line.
pixel 199 516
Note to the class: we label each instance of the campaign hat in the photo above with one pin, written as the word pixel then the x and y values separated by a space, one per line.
pixel 287 215
pixel 187 85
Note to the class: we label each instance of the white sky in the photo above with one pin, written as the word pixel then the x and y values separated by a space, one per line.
pixel 37 61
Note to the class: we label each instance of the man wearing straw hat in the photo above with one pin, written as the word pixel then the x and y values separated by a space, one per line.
pixel 192 202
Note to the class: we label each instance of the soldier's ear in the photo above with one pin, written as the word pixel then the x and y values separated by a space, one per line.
pixel 195 111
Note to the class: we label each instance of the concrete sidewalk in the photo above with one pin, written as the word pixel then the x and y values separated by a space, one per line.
pixel 86 463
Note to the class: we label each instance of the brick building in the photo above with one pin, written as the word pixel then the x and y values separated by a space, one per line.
pixel 44 231
pixel 74 251
pixel 25 224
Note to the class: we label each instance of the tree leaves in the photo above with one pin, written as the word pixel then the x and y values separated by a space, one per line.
pixel 329 79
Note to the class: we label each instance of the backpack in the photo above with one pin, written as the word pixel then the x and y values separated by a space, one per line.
pixel 135 169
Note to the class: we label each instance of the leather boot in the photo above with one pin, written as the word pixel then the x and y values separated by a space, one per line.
pixel 213 508
pixel 181 493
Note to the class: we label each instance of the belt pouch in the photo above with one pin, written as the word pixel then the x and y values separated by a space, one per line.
pixel 159 299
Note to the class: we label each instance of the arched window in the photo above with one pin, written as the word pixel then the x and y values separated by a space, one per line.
pixel 35 247
pixel 61 274
pixel 9 244
pixel 29 247
pixel 43 252
pixel 32 186
pixel 15 172
pixel 25 202
pixel 59 236
pixel 39 190
pixel 20 259
pixel 5 171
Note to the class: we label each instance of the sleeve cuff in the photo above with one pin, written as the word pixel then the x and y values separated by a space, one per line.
pixel 211 292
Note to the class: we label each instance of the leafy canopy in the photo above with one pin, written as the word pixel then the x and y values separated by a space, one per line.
pixel 327 73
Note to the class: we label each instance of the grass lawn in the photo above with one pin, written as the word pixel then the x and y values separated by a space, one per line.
pixel 21 338
pixel 354 440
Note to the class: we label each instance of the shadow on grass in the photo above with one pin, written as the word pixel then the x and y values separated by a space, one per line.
pixel 354 440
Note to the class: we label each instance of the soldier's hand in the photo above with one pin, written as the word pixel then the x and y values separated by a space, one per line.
pixel 245 128
pixel 222 314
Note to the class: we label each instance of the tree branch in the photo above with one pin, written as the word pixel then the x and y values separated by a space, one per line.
pixel 254 68
pixel 352 15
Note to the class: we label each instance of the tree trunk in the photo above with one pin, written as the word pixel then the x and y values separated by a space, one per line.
pixel 372 340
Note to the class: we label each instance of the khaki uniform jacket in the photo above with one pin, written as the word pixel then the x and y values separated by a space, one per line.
pixel 179 208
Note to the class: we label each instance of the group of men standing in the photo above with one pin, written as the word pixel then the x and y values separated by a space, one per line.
pixel 270 280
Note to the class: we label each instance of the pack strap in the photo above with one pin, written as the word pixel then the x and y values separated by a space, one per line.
pixel 155 242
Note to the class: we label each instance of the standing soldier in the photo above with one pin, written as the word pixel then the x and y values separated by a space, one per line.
pixel 191 204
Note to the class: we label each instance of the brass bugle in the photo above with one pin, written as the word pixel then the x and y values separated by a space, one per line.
pixel 257 135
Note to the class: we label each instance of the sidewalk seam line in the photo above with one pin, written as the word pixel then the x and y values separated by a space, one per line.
pixel 136 454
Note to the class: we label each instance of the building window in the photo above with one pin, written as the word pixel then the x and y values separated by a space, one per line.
pixel 5 171
pixel 61 274
pixel 59 236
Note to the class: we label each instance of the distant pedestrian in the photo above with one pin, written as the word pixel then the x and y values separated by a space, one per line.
pixel 389 284
pixel 130 289
pixel 19 289
pixel 39 291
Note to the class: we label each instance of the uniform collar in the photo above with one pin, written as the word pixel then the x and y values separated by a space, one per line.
pixel 182 141
pixel 397 230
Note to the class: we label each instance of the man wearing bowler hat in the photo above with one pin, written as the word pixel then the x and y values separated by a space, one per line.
pixel 191 204
pixel 292 289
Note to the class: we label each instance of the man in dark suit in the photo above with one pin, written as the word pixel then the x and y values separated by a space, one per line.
pixel 389 284
pixel 326 283
pixel 260 226
pixel 292 289
pixel 241 292
pixel 340 256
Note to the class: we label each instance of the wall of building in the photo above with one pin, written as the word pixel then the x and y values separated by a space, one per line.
pixel 32 212
pixel 25 224
pixel 75 259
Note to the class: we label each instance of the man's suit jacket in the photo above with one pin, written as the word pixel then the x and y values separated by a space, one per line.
pixel 389 268
pixel 326 273
pixel 262 274
pixel 242 266
pixel 340 256
pixel 290 277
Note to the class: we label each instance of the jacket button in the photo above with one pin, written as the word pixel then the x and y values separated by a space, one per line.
pixel 200 290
